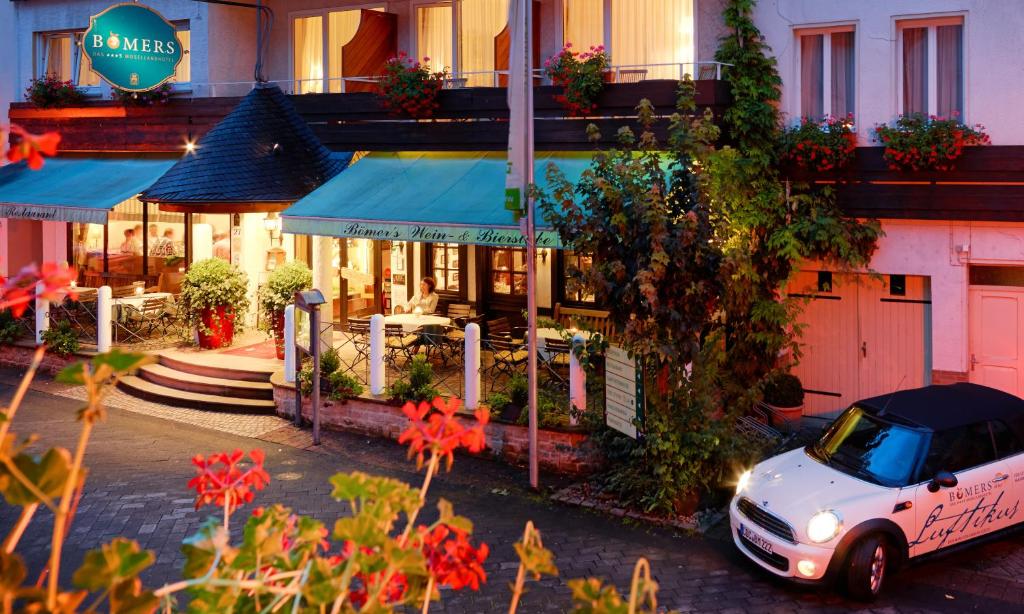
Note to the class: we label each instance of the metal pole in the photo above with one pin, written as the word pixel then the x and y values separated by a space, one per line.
pixel 531 246
pixel 314 346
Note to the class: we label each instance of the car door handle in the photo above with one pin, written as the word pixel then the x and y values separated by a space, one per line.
pixel 1000 477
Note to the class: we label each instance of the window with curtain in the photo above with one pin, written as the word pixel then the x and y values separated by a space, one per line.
pixel 479 22
pixel 61 57
pixel 583 23
pixel 508 271
pixel 447 267
pixel 932 67
pixel 183 73
pixel 312 62
pixel 434 27
pixel 573 291
pixel 308 54
pixel 827 74
pixel 643 33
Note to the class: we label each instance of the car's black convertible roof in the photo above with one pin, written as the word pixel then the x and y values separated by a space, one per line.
pixel 945 407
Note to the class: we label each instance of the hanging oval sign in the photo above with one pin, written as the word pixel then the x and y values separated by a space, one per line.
pixel 132 47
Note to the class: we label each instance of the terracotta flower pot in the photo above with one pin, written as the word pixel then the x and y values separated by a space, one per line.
pixel 277 328
pixel 787 416
pixel 221 324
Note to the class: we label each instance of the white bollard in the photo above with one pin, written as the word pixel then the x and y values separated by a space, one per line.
pixel 577 381
pixel 377 354
pixel 289 344
pixel 472 360
pixel 42 316
pixel 104 319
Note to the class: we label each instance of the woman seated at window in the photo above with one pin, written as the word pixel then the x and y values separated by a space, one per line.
pixel 425 301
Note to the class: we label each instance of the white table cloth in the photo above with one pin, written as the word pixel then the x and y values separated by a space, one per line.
pixel 137 300
pixel 411 322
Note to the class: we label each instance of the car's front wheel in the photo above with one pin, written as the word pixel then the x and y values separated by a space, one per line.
pixel 867 567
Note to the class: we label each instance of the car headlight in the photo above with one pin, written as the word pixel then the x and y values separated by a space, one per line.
pixel 823 526
pixel 743 481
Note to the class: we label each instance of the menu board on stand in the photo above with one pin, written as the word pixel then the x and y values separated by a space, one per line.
pixel 623 392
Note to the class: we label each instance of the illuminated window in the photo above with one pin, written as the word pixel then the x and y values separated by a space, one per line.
pixel 312 63
pixel 574 291
pixel 508 271
pixel 446 267
pixel 655 36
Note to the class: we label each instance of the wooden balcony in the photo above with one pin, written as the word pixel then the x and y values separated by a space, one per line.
pixel 986 185
pixel 468 119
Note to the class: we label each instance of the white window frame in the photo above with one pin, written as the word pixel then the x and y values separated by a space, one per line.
pixel 826 33
pixel 324 36
pixel 606 17
pixel 456 5
pixel 41 40
pixel 932 24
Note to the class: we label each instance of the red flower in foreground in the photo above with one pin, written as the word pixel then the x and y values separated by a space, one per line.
pixel 32 147
pixel 52 280
pixel 451 558
pixel 441 432
pixel 227 482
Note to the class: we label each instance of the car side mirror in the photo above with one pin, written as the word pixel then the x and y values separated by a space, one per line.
pixel 942 479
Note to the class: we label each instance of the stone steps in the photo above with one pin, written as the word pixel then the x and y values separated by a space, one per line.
pixel 202 384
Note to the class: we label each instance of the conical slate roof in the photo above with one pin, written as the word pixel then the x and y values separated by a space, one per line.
pixel 262 151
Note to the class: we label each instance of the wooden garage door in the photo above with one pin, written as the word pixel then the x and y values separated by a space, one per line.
pixel 863 337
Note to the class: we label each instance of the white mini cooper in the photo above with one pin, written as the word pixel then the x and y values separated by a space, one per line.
pixel 895 477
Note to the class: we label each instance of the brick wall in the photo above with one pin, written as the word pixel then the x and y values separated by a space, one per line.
pixel 949 377
pixel 570 453
pixel 20 356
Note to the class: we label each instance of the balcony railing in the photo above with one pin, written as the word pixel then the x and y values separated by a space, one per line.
pixel 630 73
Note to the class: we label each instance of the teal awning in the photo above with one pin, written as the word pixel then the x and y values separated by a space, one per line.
pixel 433 197
pixel 75 189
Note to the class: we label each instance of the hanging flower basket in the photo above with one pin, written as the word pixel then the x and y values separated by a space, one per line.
pixel 820 146
pixel 49 92
pixel 409 88
pixel 922 143
pixel 582 75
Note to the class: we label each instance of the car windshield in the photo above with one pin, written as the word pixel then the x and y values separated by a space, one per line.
pixel 869 448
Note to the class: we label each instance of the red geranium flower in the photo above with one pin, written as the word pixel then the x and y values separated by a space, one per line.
pixel 441 432
pixel 227 483
pixel 32 147
pixel 451 558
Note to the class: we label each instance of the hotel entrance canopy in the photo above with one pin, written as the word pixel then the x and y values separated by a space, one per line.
pixel 430 197
pixel 80 190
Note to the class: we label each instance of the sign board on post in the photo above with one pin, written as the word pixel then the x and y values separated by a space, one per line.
pixel 623 391
pixel 133 47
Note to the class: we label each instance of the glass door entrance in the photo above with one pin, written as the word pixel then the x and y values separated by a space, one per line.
pixel 357 279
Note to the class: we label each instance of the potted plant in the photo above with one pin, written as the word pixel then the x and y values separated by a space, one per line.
pixel 785 394
pixel 160 95
pixel 214 300
pixel 278 293
pixel 919 143
pixel 409 88
pixel 49 92
pixel 820 146
pixel 582 75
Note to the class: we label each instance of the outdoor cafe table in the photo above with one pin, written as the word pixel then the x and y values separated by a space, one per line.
pixel 136 301
pixel 543 334
pixel 412 322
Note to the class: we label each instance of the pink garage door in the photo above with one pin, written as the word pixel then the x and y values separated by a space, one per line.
pixel 861 336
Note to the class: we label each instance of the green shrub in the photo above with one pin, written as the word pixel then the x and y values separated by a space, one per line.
pixel 61 339
pixel 498 400
pixel 418 382
pixel 519 390
pixel 330 362
pixel 784 390
pixel 280 289
pixel 10 330
pixel 549 413
pixel 306 380
pixel 343 386
pixel 213 283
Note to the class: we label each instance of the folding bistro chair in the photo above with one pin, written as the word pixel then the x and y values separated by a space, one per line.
pixel 507 358
pixel 398 343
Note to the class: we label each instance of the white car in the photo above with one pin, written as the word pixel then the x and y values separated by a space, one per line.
pixel 894 478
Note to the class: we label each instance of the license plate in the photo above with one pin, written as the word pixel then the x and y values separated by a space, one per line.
pixel 756 539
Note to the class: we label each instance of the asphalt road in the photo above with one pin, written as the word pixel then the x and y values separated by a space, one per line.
pixel 139 466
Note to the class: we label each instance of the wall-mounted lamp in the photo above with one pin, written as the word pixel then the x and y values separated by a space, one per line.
pixel 190 146
pixel 543 253
pixel 272 224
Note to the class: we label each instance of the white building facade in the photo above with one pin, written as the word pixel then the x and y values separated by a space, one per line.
pixel 948 301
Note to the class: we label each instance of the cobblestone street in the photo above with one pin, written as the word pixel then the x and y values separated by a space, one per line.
pixel 139 464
